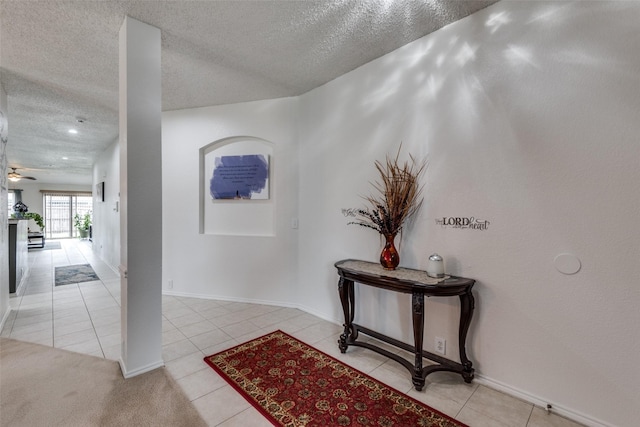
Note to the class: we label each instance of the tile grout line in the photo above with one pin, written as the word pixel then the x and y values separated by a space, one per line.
pixel 53 285
pixel 84 301
pixel 93 326
pixel 530 415
pixel 466 401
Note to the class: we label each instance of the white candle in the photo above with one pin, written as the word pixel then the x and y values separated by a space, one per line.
pixel 435 266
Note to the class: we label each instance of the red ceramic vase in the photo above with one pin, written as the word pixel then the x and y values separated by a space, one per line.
pixel 389 258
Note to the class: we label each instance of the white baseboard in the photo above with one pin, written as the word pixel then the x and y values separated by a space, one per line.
pixel 565 412
pixel 253 301
pixel 114 269
pixel 23 282
pixel 227 298
pixel 130 374
pixel 316 313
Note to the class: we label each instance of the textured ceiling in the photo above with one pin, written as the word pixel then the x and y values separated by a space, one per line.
pixel 59 61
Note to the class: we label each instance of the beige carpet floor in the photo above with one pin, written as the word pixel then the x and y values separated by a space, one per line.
pixel 44 386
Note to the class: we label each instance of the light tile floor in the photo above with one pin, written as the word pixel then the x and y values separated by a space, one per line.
pixel 85 318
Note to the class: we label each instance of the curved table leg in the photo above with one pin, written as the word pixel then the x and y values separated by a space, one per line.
pixel 417 311
pixel 467 305
pixel 345 289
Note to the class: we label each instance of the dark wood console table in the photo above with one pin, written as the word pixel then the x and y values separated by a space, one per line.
pixel 36 236
pixel 418 284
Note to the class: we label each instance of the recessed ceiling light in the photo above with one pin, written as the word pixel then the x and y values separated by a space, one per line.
pixel 73 131
pixel 65 158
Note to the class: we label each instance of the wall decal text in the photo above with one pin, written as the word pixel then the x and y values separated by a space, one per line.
pixel 463 222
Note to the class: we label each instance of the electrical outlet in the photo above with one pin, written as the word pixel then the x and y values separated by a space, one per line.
pixel 440 345
pixel 170 284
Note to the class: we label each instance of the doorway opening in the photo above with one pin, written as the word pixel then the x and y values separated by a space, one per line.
pixel 59 211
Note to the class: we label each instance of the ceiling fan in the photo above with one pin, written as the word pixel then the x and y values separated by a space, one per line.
pixel 15 176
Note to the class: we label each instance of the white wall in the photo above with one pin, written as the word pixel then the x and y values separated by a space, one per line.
pixel 257 268
pixel 106 217
pixel 528 114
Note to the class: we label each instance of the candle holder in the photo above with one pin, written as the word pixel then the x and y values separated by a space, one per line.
pixel 435 266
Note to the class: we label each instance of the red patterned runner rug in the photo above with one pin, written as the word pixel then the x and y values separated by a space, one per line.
pixel 293 384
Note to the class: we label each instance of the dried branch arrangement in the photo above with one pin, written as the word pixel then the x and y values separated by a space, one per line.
pixel 398 196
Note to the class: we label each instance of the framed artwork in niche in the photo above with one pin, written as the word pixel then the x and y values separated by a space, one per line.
pixel 240 177
pixel 100 191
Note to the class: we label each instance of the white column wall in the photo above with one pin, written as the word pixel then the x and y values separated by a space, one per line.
pixel 106 215
pixel 528 114
pixel 141 197
pixel 241 268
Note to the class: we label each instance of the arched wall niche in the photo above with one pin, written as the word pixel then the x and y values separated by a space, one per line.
pixel 236 217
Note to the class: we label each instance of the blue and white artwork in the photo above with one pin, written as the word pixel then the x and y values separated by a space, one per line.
pixel 240 177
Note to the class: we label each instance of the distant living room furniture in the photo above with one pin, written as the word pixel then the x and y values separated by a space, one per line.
pixel 36 239
pixel 419 285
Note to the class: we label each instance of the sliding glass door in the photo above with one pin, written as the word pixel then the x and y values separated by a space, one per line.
pixel 59 210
